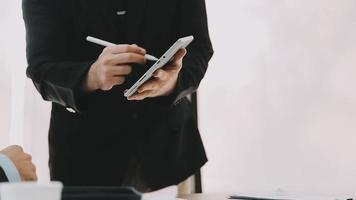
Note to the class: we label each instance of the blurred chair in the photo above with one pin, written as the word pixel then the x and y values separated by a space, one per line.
pixel 187 186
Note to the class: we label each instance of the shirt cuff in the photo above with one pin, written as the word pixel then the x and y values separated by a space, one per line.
pixel 9 169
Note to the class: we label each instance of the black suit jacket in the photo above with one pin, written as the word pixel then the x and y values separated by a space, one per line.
pixel 94 145
pixel 3 177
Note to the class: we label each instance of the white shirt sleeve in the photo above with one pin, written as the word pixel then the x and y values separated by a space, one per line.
pixel 9 169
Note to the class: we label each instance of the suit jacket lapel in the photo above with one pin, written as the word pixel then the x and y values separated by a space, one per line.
pixel 135 15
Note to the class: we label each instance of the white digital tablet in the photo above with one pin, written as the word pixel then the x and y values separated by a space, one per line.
pixel 162 61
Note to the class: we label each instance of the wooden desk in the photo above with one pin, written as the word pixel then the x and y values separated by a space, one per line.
pixel 204 197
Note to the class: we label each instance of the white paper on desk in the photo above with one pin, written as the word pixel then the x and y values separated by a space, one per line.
pixel 296 197
pixel 168 193
pixel 291 197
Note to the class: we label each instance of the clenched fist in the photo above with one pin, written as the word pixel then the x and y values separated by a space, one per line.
pixel 112 66
pixel 22 161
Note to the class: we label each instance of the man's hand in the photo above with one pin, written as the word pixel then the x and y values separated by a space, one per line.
pixel 164 80
pixel 22 161
pixel 112 66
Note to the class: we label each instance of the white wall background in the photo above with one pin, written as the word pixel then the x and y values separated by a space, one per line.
pixel 24 116
pixel 277 107
pixel 278 104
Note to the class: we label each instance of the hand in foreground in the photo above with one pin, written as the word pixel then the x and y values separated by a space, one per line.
pixel 112 66
pixel 164 80
pixel 22 161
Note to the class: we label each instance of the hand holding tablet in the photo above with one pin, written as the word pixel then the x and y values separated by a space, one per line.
pixel 165 58
pixel 164 80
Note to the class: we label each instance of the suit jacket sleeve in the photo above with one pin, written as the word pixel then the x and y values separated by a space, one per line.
pixel 55 77
pixel 192 20
pixel 3 177
pixel 8 170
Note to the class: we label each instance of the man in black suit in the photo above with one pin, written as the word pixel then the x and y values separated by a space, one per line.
pixel 15 165
pixel 96 136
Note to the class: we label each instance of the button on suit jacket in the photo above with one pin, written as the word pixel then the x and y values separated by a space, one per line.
pixel 94 144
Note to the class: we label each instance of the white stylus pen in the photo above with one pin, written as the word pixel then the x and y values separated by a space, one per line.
pixel 106 44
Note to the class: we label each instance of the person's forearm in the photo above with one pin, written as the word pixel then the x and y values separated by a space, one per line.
pixel 9 169
pixel 194 67
pixel 193 21
pixel 56 76
pixel 60 82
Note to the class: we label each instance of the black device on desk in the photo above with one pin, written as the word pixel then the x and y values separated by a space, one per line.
pixel 242 197
pixel 100 193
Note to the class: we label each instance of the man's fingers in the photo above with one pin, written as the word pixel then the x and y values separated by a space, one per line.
pixel 33 168
pixel 112 81
pixel 149 85
pixel 117 80
pixel 34 177
pixel 125 48
pixel 15 148
pixel 161 74
pixel 141 96
pixel 30 177
pixel 120 70
pixel 179 55
pixel 176 63
pixel 126 58
pixel 27 157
